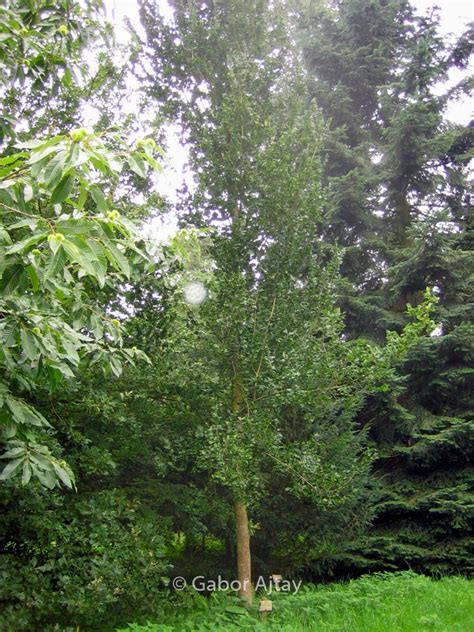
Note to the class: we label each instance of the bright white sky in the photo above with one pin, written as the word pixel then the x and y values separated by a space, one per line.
pixel 454 13
pixel 454 16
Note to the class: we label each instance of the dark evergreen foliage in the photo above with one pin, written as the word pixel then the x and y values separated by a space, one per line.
pixel 404 219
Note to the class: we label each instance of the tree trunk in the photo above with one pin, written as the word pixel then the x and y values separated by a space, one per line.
pixel 403 219
pixel 244 567
pixel 244 570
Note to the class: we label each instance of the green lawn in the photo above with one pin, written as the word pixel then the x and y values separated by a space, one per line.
pixel 379 603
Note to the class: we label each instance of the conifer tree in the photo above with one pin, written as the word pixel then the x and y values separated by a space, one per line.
pixel 396 176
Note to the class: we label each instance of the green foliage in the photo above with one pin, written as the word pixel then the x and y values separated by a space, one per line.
pixel 58 234
pixel 401 601
pixel 269 318
pixel 272 422
pixel 397 182
pixel 41 58
pixel 86 560
pixel 347 190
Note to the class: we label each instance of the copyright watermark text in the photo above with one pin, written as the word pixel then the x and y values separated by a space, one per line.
pixel 201 584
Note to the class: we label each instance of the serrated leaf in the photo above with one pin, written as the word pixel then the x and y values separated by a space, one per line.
pixel 154 164
pixel 33 276
pixel 54 169
pixel 9 429
pixel 63 190
pixel 36 144
pixel 98 198
pixel 96 326
pixel 9 330
pixel 28 344
pixel 137 165
pixel 26 474
pixel 116 366
pixel 79 253
pixel 25 244
pixel 13 452
pixel 13 278
pixel 81 200
pixel 24 414
pixel 56 263
pixel 10 469
pixel 30 222
pixel 45 477
pixel 63 475
pixel 10 160
pixel 5 236
pixel 101 164
pixel 36 156
pixel 66 371
pixel 117 259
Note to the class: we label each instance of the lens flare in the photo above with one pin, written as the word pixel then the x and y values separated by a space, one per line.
pixel 195 293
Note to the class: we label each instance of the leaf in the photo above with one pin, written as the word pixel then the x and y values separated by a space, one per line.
pixel 101 164
pixel 26 474
pixel 71 350
pixel 28 344
pixel 66 371
pixel 39 155
pixel 56 263
pixel 9 429
pixel 9 160
pixel 75 254
pixel 96 326
pixel 137 165
pixel 4 236
pixel 82 197
pixel 99 199
pixel 63 475
pixel 13 452
pixel 115 164
pixel 116 366
pixel 30 222
pixel 154 164
pixel 63 190
pixel 80 253
pixel 12 279
pixel 33 278
pixel 54 169
pixel 100 272
pixel 55 376
pixel 45 477
pixel 10 469
pixel 67 78
pixel 5 184
pixel 236 610
pixel 117 259
pixel 25 244
pixel 74 226
pixel 9 330
pixel 36 144
pixel 24 414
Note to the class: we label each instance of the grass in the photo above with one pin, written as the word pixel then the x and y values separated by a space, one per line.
pixel 385 602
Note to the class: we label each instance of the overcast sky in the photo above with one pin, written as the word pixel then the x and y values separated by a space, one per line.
pixel 454 14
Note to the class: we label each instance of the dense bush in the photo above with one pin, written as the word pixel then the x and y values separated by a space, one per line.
pixel 77 560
